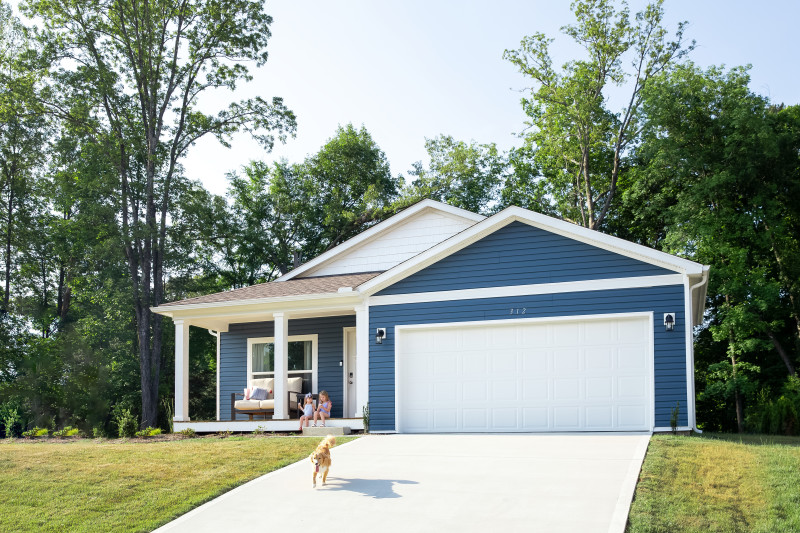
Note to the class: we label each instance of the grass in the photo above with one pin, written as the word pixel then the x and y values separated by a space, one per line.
pixel 88 485
pixel 718 483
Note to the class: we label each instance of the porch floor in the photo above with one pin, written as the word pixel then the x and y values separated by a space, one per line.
pixel 269 425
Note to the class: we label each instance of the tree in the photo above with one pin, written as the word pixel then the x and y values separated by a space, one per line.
pixel 132 74
pixel 23 134
pixel 578 143
pixel 460 174
pixel 718 182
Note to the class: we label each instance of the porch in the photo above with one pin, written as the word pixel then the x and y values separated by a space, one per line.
pixel 319 340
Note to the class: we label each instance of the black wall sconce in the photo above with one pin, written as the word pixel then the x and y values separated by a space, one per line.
pixel 669 321
pixel 380 334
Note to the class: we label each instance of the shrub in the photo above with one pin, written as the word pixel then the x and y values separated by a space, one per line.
pixel 148 432
pixel 673 418
pixel 36 432
pixel 98 432
pixel 67 431
pixel 126 423
pixel 11 421
pixel 188 432
pixel 780 416
pixel 259 430
pixel 365 417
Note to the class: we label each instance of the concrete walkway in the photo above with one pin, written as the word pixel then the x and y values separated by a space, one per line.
pixel 411 483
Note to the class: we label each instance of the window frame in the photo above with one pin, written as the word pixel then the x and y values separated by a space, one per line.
pixel 292 338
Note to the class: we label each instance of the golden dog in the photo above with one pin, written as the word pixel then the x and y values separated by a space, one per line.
pixel 322 459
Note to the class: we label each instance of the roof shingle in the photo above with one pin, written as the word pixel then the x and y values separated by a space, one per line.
pixel 277 289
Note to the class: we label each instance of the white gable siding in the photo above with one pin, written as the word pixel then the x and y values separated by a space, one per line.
pixel 400 243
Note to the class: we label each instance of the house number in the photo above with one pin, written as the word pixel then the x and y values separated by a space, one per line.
pixel 518 310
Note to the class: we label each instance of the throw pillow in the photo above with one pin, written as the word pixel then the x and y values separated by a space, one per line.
pixel 258 394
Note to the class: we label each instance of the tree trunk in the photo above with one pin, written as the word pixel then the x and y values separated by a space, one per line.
pixel 737 398
pixel 784 356
pixel 9 232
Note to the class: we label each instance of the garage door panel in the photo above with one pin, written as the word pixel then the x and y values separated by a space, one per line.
pixel 535 362
pixel 592 375
pixel 535 390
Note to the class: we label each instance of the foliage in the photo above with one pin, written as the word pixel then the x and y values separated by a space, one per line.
pixel 188 432
pixel 148 432
pixel 10 420
pixel 673 417
pixel 460 174
pixel 365 417
pixel 577 142
pixel 126 422
pixel 66 431
pixel 36 432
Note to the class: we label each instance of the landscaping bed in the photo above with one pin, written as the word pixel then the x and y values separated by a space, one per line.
pixel 713 482
pixel 129 485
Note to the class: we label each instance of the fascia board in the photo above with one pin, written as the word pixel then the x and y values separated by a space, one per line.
pixel 261 303
pixel 553 225
pixel 387 224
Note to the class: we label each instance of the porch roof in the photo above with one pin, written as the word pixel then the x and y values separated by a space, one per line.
pixel 277 289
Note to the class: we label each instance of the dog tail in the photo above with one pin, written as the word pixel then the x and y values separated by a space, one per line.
pixel 329 441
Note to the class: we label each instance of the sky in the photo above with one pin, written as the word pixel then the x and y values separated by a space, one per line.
pixel 408 70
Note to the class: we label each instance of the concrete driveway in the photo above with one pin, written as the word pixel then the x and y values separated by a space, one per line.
pixel 411 483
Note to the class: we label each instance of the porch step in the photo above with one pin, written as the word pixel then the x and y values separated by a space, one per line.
pixel 327 430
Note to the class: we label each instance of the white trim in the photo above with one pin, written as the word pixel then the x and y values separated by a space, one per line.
pixel 181 413
pixel 362 357
pixel 314 338
pixel 528 290
pixel 689 344
pixel 400 328
pixel 211 332
pixel 669 429
pixel 211 426
pixel 552 225
pixel 346 369
pixel 380 228
pixel 169 309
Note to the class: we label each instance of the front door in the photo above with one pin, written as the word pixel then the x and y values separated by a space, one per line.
pixel 350 372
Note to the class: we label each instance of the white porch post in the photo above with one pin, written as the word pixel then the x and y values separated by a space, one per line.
pixel 362 358
pixel 281 365
pixel 181 371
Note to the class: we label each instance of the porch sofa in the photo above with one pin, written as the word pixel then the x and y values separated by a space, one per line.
pixel 252 408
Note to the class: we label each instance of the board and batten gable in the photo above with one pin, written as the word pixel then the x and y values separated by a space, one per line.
pixel 669 347
pixel 386 250
pixel 330 346
pixel 520 254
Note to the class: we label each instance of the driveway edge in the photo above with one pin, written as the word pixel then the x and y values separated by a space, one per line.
pixel 620 517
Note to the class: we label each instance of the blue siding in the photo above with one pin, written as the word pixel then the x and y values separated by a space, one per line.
pixel 519 254
pixel 669 352
pixel 233 356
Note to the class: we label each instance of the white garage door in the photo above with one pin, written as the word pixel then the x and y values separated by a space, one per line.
pixel 570 375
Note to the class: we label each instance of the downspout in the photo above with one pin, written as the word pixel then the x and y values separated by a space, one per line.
pixel 216 334
pixel 703 281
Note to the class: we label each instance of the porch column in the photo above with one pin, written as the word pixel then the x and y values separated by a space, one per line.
pixel 362 358
pixel 181 371
pixel 281 365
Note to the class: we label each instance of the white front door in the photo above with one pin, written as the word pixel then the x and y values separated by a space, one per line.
pixel 587 374
pixel 350 373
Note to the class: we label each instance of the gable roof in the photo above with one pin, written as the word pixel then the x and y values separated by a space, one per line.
pixel 383 230
pixel 559 227
pixel 272 289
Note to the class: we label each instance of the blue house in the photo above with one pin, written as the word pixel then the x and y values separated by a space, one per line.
pixel 442 320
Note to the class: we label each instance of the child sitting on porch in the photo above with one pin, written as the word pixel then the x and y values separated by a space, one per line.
pixel 324 409
pixel 308 410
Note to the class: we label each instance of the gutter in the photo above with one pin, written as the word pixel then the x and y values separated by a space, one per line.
pixel 703 282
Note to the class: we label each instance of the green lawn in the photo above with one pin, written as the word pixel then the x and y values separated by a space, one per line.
pixel 720 483
pixel 88 485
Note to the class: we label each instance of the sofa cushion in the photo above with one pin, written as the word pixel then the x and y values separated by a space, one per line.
pixel 247 404
pixel 264 383
pixel 267 404
pixel 294 384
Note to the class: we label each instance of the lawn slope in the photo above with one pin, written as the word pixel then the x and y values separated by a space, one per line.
pixel 718 483
pixel 128 486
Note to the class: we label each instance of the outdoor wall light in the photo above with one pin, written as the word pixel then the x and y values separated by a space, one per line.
pixel 669 321
pixel 380 334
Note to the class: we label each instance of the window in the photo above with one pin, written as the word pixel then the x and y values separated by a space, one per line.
pixel 302 359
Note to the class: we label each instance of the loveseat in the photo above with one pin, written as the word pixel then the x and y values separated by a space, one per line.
pixel 252 408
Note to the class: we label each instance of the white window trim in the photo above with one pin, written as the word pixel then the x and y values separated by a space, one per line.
pixel 292 338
